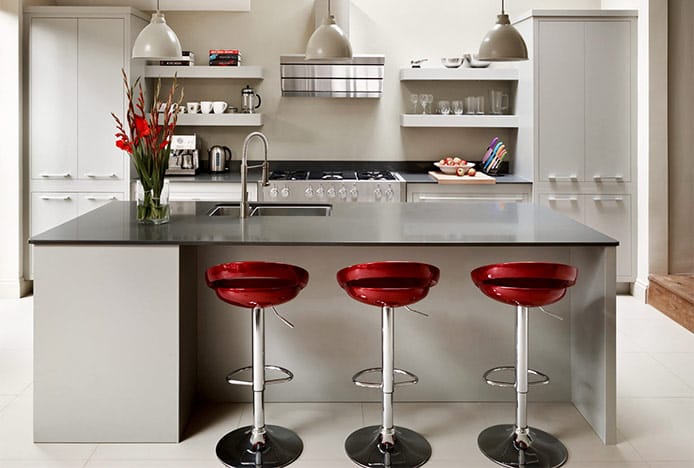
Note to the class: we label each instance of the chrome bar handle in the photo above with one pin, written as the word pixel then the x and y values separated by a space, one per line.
pixel 63 175
pixel 417 311
pixel 284 320
pixel 555 178
pixel 616 178
pixel 102 198
pixel 603 198
pixel 65 198
pixel 555 198
pixel 112 175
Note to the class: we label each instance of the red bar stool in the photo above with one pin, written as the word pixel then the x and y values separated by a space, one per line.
pixel 524 285
pixel 257 285
pixel 387 285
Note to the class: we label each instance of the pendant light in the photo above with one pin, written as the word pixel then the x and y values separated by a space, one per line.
pixel 328 41
pixel 503 43
pixel 157 40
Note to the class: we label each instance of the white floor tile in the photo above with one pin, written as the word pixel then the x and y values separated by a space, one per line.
pixel 6 400
pixel 680 364
pixel 16 317
pixel 41 464
pixel 674 464
pixel 660 429
pixel 16 370
pixel 641 376
pixel 16 437
pixel 153 464
pixel 657 335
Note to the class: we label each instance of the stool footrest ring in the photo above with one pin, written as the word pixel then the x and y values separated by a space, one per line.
pixel 413 379
pixel 287 373
pixel 544 379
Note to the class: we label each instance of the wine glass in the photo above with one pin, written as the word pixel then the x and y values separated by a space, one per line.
pixel 414 99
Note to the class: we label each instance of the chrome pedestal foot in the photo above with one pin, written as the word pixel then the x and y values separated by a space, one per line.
pixel 498 444
pixel 364 447
pixel 282 447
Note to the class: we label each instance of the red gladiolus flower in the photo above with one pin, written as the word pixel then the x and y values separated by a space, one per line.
pixel 142 126
pixel 124 145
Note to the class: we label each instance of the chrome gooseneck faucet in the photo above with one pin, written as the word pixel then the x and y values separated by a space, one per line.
pixel 244 170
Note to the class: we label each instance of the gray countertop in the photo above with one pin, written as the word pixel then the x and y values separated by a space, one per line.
pixel 472 223
pixel 424 178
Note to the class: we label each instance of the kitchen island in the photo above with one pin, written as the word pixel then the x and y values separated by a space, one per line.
pixel 127 334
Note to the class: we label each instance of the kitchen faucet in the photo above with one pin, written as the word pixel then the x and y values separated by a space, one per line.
pixel 244 212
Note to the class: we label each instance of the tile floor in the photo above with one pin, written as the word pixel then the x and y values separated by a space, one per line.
pixel 655 390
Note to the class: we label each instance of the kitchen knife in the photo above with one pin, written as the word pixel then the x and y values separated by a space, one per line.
pixel 495 140
pixel 498 147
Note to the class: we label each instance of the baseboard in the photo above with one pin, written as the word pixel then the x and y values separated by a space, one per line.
pixel 15 289
pixel 639 290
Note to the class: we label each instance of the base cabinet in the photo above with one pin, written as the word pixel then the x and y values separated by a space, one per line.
pixel 434 193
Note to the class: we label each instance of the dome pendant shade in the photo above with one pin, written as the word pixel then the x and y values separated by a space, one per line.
pixel 328 42
pixel 157 40
pixel 503 43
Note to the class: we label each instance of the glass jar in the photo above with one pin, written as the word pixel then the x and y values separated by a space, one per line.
pixel 152 208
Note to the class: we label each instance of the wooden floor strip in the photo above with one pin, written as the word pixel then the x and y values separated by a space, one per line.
pixel 673 295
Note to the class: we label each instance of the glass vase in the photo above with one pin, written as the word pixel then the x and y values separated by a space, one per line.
pixel 153 208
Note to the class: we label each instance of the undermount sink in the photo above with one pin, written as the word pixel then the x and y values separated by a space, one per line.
pixel 259 209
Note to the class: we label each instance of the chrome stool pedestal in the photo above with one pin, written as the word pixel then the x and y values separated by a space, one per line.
pixel 387 445
pixel 519 445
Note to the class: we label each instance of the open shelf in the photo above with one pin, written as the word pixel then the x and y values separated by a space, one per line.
pixel 475 121
pixel 220 120
pixel 452 74
pixel 203 71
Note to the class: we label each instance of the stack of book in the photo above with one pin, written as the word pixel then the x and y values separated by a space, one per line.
pixel 225 58
pixel 188 60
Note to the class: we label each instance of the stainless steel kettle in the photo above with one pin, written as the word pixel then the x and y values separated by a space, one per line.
pixel 219 158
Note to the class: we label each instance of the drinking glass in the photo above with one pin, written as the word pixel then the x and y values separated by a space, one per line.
pixel 414 99
pixel 471 105
pixel 480 105
pixel 457 107
pixel 498 101
pixel 426 100
pixel 444 107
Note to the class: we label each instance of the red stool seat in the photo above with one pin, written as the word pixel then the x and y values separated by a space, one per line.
pixel 251 284
pixel 389 284
pixel 528 284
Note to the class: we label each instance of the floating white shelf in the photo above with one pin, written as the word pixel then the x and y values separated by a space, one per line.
pixel 452 74
pixel 202 71
pixel 220 120
pixel 475 121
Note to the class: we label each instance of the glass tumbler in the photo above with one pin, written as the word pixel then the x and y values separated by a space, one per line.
pixel 480 105
pixel 414 100
pixel 444 107
pixel 457 107
pixel 471 105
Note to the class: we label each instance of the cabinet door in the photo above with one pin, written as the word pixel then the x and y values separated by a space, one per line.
pixel 51 209
pixel 569 205
pixel 611 215
pixel 101 47
pixel 468 197
pixel 608 91
pixel 53 98
pixel 560 87
pixel 91 201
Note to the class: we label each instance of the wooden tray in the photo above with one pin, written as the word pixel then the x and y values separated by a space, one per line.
pixel 479 178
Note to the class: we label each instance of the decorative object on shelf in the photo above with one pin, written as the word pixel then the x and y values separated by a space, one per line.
pixel 148 142
pixel 503 43
pixel 157 40
pixel 225 58
pixel 493 157
pixel 418 63
pixel 328 41
pixel 250 100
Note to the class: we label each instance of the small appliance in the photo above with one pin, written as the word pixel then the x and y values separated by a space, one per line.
pixel 184 158
pixel 219 158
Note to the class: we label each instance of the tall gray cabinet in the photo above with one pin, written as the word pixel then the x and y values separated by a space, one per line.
pixel 73 60
pixel 578 119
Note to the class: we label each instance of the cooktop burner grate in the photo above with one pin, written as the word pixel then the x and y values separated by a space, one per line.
pixel 288 175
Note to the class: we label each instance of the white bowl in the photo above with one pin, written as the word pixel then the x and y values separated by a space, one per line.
pixel 453 62
pixel 453 169
pixel 472 61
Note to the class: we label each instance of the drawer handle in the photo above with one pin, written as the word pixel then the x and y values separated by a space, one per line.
pixel 599 178
pixel 568 199
pixel 515 199
pixel 100 176
pixel 47 175
pixel 65 198
pixel 554 177
pixel 101 198
pixel 614 199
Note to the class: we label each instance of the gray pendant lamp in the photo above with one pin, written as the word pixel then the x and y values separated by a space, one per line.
pixel 328 41
pixel 157 40
pixel 503 43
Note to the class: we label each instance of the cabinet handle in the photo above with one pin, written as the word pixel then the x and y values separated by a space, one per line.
pixel 604 198
pixel 569 199
pixel 101 198
pixel 599 178
pixel 63 175
pixel 65 198
pixel 514 199
pixel 101 176
pixel 554 178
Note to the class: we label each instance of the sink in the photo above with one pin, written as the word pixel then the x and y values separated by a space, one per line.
pixel 259 209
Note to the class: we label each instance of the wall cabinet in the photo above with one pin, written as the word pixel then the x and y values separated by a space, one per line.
pixel 580 125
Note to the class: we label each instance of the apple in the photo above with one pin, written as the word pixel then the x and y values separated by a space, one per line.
pixel 460 171
pixel 457 160
pixel 471 172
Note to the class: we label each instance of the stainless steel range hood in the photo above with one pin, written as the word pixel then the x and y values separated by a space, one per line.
pixel 358 77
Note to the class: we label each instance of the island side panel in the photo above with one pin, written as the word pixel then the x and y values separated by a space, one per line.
pixel 335 336
pixel 106 344
pixel 593 342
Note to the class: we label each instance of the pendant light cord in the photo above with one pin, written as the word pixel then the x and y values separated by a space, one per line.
pixel 158 5
pixel 503 12
pixel 330 12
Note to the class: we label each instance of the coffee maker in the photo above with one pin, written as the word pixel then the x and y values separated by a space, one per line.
pixel 183 159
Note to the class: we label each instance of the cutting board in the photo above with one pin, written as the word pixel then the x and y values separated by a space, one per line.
pixel 479 178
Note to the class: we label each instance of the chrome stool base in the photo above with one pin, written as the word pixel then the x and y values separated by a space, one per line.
pixel 282 448
pixel 497 444
pixel 410 450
